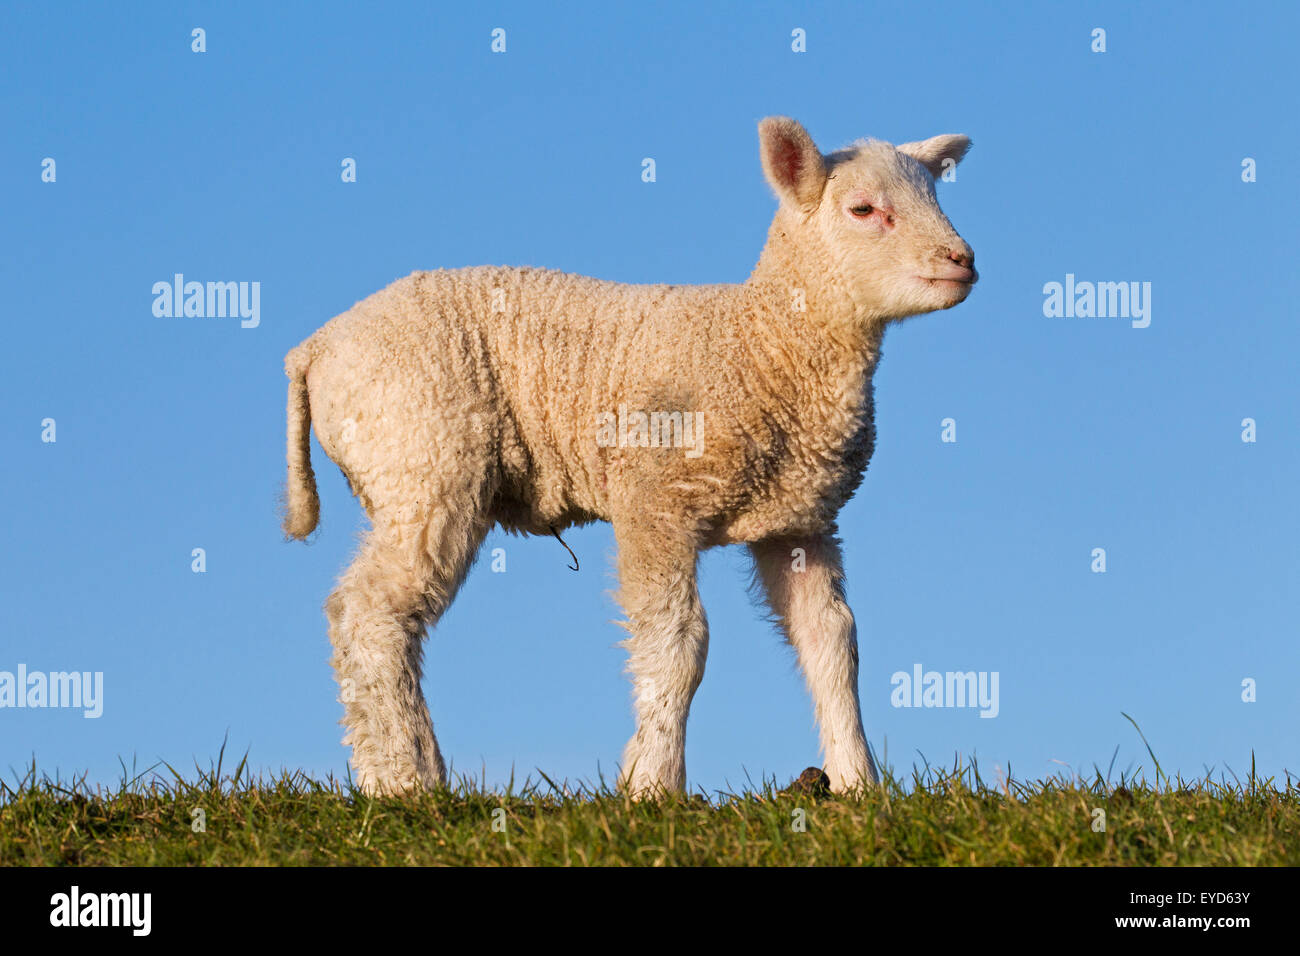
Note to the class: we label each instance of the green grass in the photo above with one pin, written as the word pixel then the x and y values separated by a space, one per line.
pixel 941 818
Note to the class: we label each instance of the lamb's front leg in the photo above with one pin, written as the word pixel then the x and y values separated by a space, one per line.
pixel 667 647
pixel 803 581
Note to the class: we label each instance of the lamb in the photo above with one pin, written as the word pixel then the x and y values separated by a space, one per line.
pixel 459 400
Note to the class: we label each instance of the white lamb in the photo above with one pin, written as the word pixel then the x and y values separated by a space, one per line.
pixel 457 400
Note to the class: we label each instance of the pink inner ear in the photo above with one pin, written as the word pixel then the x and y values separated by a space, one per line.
pixel 787 161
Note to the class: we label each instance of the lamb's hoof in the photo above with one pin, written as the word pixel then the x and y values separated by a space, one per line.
pixel 813 782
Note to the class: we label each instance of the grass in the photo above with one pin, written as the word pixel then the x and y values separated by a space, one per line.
pixel 942 818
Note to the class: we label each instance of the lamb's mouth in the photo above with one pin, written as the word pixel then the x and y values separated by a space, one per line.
pixel 963 277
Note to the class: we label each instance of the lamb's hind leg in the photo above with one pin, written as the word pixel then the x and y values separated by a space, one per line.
pixel 402 581
pixel 668 645
pixel 803 581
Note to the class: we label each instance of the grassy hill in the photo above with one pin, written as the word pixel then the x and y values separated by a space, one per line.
pixel 938 818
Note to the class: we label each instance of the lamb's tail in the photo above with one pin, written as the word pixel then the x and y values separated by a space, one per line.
pixel 302 506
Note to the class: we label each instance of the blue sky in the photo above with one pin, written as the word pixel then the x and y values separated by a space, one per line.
pixel 1072 433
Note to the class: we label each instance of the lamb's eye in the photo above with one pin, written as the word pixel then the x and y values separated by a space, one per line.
pixel 862 211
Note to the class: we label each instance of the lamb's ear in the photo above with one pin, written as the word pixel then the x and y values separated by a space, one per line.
pixel 791 161
pixel 938 154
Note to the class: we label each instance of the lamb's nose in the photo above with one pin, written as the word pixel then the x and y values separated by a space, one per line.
pixel 963 255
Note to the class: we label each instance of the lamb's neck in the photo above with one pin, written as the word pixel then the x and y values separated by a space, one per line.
pixel 801 311
pixel 812 356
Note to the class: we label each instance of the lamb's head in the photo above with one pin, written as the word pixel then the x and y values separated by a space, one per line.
pixel 866 218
